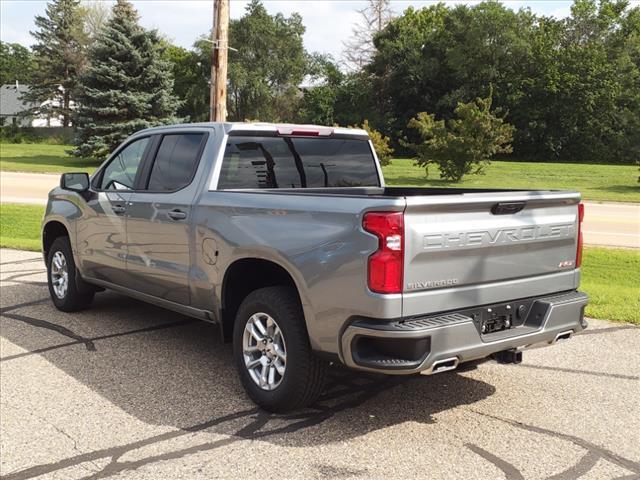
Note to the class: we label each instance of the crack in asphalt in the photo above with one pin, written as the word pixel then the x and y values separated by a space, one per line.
pixel 252 431
pixel 584 465
pixel 595 331
pixel 35 322
pixel 510 472
pixel 333 471
pixel 23 305
pixel 24 273
pixel 584 372
pixel 82 340
pixel 55 427
pixel 27 282
pixel 27 260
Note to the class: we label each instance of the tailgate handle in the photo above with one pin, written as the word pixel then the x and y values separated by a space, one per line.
pixel 507 208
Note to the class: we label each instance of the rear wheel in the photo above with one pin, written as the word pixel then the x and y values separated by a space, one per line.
pixel 61 278
pixel 272 352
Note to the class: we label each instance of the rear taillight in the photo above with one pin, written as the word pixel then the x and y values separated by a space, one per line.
pixel 385 273
pixel 579 249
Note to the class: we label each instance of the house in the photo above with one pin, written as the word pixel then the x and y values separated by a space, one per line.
pixel 12 108
pixel 15 111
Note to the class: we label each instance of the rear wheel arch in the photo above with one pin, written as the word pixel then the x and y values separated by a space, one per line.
pixel 247 275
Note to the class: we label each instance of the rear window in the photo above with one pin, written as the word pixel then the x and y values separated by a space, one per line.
pixel 296 162
pixel 176 162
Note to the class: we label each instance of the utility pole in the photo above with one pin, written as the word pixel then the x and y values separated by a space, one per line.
pixel 220 40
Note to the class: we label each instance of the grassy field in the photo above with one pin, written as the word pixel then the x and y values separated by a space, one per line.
pixel 41 158
pixel 20 226
pixel 596 182
pixel 610 276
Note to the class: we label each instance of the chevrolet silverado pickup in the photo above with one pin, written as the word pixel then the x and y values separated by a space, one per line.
pixel 286 237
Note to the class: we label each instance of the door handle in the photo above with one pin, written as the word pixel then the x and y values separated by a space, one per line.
pixel 177 215
pixel 118 209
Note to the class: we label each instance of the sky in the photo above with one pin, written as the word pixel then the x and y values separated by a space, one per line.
pixel 328 23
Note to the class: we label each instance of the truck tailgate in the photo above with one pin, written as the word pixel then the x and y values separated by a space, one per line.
pixel 478 248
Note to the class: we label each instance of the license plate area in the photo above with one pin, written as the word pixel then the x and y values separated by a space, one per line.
pixel 496 319
pixel 493 319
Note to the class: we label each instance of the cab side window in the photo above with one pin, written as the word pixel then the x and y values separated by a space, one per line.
pixel 176 162
pixel 120 173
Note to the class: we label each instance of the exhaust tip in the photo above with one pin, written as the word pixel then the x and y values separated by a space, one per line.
pixel 445 365
pixel 561 337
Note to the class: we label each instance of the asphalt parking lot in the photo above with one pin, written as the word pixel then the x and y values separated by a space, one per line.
pixel 132 391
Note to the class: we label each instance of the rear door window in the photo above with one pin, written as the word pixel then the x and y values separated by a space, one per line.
pixel 176 162
pixel 297 162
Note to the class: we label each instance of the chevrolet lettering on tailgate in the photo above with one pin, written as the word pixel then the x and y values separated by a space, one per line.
pixel 486 238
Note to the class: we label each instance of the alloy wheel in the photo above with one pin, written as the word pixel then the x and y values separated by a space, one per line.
pixel 264 351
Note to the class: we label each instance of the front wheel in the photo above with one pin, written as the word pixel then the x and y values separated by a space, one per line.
pixel 61 277
pixel 272 352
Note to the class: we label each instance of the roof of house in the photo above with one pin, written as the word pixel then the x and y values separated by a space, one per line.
pixel 10 99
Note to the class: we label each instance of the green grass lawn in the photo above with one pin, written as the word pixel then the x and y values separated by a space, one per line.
pixel 20 226
pixel 41 158
pixel 610 276
pixel 596 182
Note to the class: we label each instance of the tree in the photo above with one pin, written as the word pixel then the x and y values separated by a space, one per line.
pixel 464 144
pixel 582 102
pixel 265 69
pixel 127 87
pixel 270 64
pixel 373 19
pixel 318 103
pixel 95 15
pixel 433 58
pixel 571 86
pixel 190 86
pixel 60 57
pixel 18 64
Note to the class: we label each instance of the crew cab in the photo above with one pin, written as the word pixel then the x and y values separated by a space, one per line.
pixel 286 237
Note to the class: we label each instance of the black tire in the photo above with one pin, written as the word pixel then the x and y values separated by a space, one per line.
pixel 72 300
pixel 305 374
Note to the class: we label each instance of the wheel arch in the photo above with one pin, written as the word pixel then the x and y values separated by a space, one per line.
pixel 51 230
pixel 244 276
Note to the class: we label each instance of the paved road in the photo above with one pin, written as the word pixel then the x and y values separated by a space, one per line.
pixel 16 187
pixel 129 390
pixel 611 224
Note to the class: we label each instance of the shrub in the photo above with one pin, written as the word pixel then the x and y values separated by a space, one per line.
pixel 45 135
pixel 464 144
pixel 380 143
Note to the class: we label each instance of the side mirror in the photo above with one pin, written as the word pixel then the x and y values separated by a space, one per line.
pixel 76 182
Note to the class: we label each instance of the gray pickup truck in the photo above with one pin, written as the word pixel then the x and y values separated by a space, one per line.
pixel 287 238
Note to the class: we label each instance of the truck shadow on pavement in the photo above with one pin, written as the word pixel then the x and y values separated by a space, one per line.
pixel 166 369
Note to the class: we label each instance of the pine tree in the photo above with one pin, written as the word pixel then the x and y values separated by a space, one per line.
pixel 59 54
pixel 126 87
